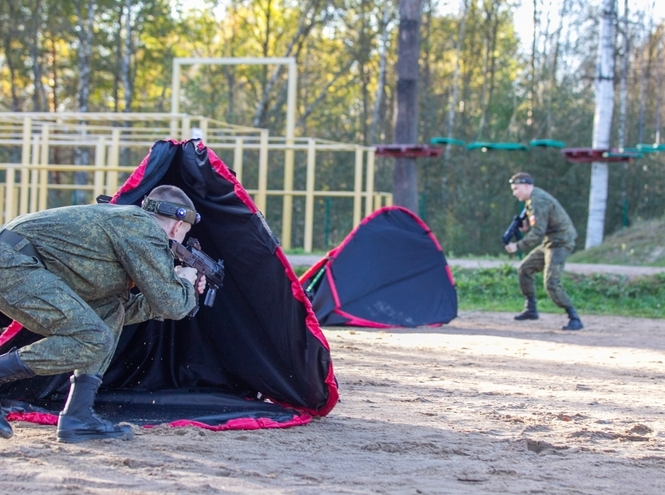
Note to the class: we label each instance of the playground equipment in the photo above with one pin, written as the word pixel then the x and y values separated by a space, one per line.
pixel 589 155
pixel 650 148
pixel 546 143
pixel 447 141
pixel 39 150
pixel 407 150
pixel 485 146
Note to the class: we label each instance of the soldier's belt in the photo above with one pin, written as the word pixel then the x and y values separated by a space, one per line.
pixel 14 239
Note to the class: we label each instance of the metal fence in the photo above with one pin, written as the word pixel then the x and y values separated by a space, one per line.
pixel 57 159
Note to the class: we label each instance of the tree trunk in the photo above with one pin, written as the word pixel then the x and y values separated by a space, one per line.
pixel 125 64
pixel 38 98
pixel 452 105
pixel 623 81
pixel 381 83
pixel 84 55
pixel 405 178
pixel 602 124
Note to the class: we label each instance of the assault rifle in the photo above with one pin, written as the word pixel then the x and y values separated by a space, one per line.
pixel 192 256
pixel 514 229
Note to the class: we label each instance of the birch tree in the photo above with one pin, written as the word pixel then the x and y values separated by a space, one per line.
pixel 602 124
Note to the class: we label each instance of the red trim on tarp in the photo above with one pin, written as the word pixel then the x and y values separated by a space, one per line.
pixel 298 292
pixel 304 415
pixel 233 424
pixel 11 331
pixel 34 417
pixel 450 275
pixel 137 175
pixel 354 321
pixel 243 423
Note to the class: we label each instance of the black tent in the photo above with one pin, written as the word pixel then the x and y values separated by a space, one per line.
pixel 257 358
pixel 390 271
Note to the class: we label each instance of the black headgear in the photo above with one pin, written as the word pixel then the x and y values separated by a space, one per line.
pixel 521 178
pixel 171 210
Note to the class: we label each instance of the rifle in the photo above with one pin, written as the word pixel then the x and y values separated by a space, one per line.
pixel 192 256
pixel 514 229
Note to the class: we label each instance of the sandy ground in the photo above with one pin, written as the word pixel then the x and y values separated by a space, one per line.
pixel 484 405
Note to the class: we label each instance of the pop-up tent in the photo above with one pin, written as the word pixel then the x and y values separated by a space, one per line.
pixel 390 271
pixel 257 358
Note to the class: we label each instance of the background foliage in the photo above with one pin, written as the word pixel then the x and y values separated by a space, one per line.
pixel 346 52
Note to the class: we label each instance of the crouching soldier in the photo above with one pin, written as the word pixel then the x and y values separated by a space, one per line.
pixel 66 274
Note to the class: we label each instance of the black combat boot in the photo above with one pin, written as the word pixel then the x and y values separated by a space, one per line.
pixel 575 323
pixel 530 312
pixel 11 369
pixel 78 421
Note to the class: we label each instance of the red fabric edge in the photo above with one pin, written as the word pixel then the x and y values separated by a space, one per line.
pixel 33 417
pixel 354 321
pixel 137 175
pixel 450 275
pixel 298 292
pixel 11 331
pixel 243 423
pixel 234 424
pixel 296 288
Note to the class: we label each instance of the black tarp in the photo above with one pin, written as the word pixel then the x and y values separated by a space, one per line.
pixel 260 340
pixel 388 272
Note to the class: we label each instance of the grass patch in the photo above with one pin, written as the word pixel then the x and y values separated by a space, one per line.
pixel 642 244
pixel 497 289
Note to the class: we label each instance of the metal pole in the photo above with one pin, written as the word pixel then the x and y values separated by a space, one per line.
pixel 358 187
pixel 309 195
pixel 25 165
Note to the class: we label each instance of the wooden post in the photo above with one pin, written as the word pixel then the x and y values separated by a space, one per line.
pixel 358 187
pixel 114 160
pixel 369 191
pixel 186 132
pixel 25 166
pixel 9 192
pixel 263 173
pixel 309 195
pixel 287 205
pixel 34 173
pixel 43 173
pixel 100 160
pixel 237 158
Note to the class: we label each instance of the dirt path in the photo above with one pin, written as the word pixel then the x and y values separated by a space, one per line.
pixel 484 405
pixel 307 260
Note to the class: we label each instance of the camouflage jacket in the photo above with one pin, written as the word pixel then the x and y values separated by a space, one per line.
pixel 103 250
pixel 549 223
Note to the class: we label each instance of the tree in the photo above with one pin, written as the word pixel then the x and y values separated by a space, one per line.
pixel 602 124
pixel 405 178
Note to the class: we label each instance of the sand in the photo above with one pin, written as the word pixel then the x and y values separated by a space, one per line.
pixel 484 405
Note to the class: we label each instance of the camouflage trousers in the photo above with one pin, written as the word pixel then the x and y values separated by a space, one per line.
pixel 78 336
pixel 551 261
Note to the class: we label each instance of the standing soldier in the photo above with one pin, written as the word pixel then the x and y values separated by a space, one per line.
pixel 551 231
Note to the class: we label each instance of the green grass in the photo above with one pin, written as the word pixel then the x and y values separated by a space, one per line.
pixel 642 244
pixel 497 289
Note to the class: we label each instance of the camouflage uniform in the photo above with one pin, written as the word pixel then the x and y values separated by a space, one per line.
pixel 78 295
pixel 553 233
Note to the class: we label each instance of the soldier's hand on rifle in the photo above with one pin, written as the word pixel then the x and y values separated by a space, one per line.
pixel 192 275
pixel 201 286
pixel 511 247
